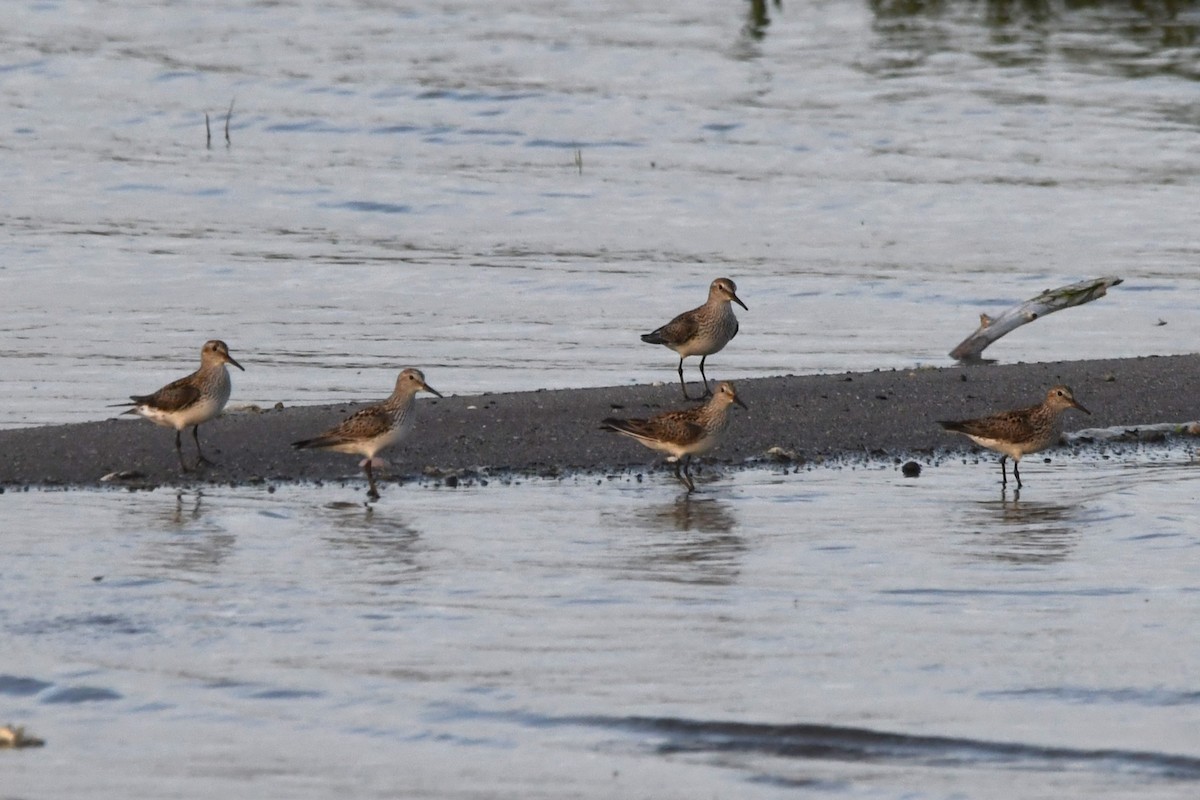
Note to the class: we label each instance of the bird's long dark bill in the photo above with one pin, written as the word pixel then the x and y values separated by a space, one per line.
pixel 737 300
pixel 430 389
pixel 230 359
pixel 738 400
pixel 1078 405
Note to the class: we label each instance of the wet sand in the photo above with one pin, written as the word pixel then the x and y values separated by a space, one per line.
pixel 871 415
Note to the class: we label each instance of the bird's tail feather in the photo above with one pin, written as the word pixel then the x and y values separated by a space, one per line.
pixel 313 444
pixel 628 427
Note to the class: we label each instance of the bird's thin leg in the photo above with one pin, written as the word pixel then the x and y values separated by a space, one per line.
pixel 199 452
pixel 1017 472
pixel 373 494
pixel 682 384
pixel 685 477
pixel 1003 471
pixel 179 452
pixel 703 377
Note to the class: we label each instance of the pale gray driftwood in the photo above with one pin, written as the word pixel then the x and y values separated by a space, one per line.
pixel 1049 301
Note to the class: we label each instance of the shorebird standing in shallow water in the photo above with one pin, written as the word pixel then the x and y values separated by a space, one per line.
pixel 682 434
pixel 376 427
pixel 701 331
pixel 1015 433
pixel 192 400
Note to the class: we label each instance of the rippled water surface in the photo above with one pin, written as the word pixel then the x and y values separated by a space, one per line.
pixel 505 194
pixel 601 638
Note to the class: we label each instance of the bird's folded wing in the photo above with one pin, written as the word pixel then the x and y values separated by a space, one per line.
pixel 1014 426
pixel 174 396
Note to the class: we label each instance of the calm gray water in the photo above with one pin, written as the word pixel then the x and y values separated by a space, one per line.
pixel 505 194
pixel 401 189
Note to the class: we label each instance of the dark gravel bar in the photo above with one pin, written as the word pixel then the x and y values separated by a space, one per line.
pixel 881 414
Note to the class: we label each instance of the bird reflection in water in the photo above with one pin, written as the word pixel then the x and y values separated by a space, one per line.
pixel 1100 34
pixel 759 17
pixel 690 540
pixel 1023 532
pixel 183 512
pixel 198 544
pixel 385 549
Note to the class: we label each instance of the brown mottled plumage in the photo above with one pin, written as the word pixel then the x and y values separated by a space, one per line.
pixel 372 429
pixel 1025 430
pixel 191 400
pixel 701 331
pixel 682 434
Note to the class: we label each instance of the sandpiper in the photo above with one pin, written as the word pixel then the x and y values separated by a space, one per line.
pixel 682 434
pixel 701 331
pixel 1025 430
pixel 376 427
pixel 192 400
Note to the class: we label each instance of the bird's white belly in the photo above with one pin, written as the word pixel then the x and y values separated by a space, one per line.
pixel 706 342
pixel 195 414
pixel 375 444
pixel 675 451
pixel 1013 451
pixel 699 348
